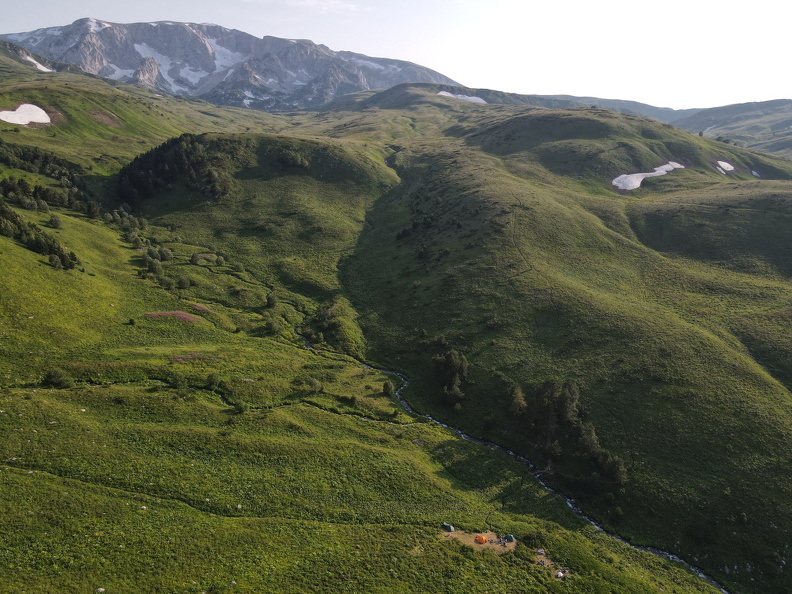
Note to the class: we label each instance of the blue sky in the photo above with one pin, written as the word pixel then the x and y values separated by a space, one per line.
pixel 673 54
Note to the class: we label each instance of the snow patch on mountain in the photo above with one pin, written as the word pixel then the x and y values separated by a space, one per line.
pixel 95 26
pixel 367 63
pixel 165 65
pixel 37 64
pixel 468 98
pixel 118 73
pixel 631 181
pixel 33 37
pixel 25 114
pixel 224 57
pixel 194 75
pixel 723 166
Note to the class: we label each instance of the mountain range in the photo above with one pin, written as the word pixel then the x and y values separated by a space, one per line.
pixel 225 66
pixel 264 350
pixel 230 67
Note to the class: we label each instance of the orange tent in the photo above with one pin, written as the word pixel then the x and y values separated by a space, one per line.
pixel 481 539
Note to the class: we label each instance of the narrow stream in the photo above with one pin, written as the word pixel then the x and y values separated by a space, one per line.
pixel 493 446
pixel 570 503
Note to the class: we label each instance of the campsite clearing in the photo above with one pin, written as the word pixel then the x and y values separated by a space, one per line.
pixel 493 541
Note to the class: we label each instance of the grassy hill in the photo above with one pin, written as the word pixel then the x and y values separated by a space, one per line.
pixel 632 345
pixel 167 439
pixel 522 258
pixel 761 125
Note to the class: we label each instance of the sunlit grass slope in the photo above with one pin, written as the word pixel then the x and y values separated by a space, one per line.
pixel 526 260
pixel 480 249
pixel 101 124
pixel 176 449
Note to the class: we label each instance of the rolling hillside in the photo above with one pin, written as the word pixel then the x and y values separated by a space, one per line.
pixel 765 125
pixel 632 344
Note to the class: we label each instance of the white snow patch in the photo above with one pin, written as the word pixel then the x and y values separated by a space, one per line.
pixel 194 75
pixel 726 166
pixel 94 25
pixel 631 181
pixel 367 64
pixel 247 102
pixel 38 65
pixel 469 98
pixel 165 64
pixel 755 173
pixel 119 73
pixel 373 65
pixel 721 170
pixel 224 58
pixel 34 37
pixel 25 114
pixel 249 95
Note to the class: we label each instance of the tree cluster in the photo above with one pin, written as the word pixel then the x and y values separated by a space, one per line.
pixel 34 238
pixel 189 158
pixel 35 160
pixel 122 219
pixel 37 197
pixel 451 368
pixel 557 426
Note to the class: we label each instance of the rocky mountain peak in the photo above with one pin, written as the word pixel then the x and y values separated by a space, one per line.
pixel 222 65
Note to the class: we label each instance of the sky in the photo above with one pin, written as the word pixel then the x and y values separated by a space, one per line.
pixel 677 53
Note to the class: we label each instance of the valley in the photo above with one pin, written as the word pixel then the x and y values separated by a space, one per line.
pixel 165 428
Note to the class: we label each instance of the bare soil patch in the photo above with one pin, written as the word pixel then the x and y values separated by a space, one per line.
pixel 105 119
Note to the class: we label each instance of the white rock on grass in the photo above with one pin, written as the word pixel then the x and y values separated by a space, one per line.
pixel 631 181
pixel 25 114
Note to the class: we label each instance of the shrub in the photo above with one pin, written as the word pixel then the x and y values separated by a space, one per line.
pixel 388 388
pixel 56 377
pixel 212 382
pixel 517 405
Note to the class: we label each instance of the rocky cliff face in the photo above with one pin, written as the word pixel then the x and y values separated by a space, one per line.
pixel 222 65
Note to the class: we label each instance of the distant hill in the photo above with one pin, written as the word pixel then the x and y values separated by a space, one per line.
pixel 225 66
pixel 662 114
pixel 765 125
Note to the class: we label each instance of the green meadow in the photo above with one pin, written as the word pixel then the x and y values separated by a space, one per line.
pixel 166 429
